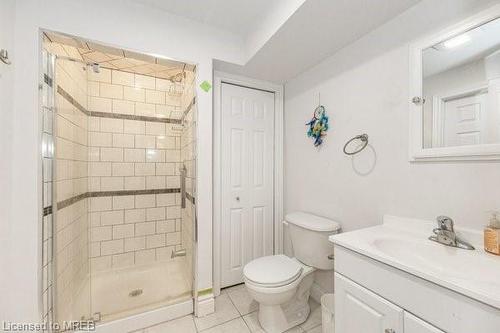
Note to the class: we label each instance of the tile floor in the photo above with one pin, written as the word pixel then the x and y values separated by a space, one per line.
pixel 236 312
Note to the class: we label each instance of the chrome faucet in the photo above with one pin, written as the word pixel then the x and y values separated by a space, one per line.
pixel 445 234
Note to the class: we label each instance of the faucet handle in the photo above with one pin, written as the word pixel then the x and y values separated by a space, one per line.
pixel 445 223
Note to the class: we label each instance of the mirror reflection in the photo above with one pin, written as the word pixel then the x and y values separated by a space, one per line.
pixel 461 88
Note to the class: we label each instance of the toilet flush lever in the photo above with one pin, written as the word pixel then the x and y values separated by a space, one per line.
pixel 331 256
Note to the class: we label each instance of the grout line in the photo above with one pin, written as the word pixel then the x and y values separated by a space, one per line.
pixel 225 322
pixel 229 296
pixel 246 324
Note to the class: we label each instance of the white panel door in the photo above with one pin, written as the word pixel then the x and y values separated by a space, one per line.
pixel 358 310
pixel 463 124
pixel 492 116
pixel 416 325
pixel 247 179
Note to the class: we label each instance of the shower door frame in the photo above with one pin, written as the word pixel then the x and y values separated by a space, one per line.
pixel 142 319
pixel 219 79
pixel 48 285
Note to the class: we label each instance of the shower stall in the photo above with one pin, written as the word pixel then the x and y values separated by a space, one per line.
pixel 119 170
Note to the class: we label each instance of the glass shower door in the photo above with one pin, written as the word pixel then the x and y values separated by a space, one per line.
pixel 122 243
pixel 70 205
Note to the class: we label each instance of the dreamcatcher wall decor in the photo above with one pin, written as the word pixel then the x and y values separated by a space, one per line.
pixel 318 126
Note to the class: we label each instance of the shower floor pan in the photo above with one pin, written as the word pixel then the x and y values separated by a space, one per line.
pixel 125 292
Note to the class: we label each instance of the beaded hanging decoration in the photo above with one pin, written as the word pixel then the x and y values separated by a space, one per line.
pixel 318 125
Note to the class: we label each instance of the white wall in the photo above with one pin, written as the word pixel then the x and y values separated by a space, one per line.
pixel 465 76
pixel 7 11
pixel 126 25
pixel 364 88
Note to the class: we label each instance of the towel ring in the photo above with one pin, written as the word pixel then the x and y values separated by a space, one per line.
pixel 363 138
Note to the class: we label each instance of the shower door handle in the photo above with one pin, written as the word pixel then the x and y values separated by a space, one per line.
pixel 183 186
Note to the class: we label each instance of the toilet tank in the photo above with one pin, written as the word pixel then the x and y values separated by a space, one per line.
pixel 309 235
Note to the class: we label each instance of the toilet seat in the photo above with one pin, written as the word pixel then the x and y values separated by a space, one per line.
pixel 272 271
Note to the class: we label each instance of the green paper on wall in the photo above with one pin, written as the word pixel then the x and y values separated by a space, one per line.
pixel 205 85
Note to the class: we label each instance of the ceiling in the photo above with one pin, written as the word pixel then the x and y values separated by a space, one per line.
pixel 241 17
pixel 315 31
pixel 119 59
pixel 283 38
pixel 484 40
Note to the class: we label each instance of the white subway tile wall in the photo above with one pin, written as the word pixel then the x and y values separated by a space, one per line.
pixel 131 224
pixel 130 154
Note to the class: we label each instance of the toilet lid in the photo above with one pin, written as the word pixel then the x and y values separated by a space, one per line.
pixel 272 271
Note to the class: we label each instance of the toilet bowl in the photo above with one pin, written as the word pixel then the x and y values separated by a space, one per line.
pixel 281 284
pixel 281 287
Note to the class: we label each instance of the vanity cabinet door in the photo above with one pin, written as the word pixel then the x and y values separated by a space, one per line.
pixel 358 310
pixel 416 325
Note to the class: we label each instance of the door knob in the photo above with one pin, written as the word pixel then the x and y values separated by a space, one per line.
pixel 238 199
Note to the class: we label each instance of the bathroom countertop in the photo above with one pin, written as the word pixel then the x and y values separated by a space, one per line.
pixel 403 243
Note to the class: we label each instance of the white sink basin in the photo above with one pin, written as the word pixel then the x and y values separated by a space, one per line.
pixel 444 260
pixel 404 244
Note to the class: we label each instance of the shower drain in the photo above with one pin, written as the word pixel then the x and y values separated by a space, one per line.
pixel 135 293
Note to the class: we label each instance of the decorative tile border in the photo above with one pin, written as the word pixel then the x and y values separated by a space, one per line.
pixel 47 79
pixel 190 198
pixel 47 210
pixel 134 117
pixel 76 198
pixel 71 100
pixel 72 200
pixel 185 113
pixel 133 192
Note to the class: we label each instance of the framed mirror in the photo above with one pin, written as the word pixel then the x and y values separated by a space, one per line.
pixel 455 92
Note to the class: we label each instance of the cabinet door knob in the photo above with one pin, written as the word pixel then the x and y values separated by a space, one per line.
pixel 389 330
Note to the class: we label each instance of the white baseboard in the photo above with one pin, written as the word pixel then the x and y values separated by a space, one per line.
pixel 146 319
pixel 205 305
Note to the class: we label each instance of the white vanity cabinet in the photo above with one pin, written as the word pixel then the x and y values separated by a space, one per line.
pixel 359 310
pixel 414 324
pixel 373 297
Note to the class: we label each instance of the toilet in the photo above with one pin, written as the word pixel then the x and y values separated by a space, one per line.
pixel 280 284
